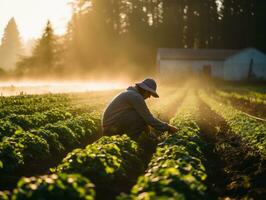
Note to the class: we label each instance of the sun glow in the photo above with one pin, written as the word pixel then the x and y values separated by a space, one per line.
pixel 32 15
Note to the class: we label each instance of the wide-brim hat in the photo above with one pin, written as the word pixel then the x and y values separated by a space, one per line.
pixel 149 85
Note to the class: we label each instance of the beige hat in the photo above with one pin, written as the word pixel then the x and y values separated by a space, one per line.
pixel 149 85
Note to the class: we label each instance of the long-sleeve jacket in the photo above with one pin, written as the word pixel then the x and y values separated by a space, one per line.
pixel 128 112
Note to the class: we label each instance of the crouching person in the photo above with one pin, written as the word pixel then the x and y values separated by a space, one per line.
pixel 128 113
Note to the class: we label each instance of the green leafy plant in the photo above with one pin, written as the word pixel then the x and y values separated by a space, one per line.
pixel 176 170
pixel 54 186
pixel 109 163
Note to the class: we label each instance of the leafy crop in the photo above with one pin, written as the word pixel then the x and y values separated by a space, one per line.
pixel 21 148
pixel 52 138
pixel 176 170
pixel 7 128
pixel 54 186
pixel 252 97
pixel 37 130
pixel 252 131
pixel 109 162
pixel 27 122
pixel 66 135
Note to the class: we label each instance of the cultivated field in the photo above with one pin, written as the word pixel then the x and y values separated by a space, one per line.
pixel 51 147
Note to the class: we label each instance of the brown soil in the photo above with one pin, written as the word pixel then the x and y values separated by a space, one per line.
pixel 234 169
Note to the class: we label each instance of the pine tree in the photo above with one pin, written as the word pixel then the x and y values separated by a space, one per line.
pixel 11 46
pixel 44 52
pixel 43 59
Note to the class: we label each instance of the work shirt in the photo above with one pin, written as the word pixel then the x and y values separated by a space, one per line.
pixel 128 113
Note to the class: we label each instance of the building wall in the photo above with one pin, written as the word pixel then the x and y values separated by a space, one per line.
pixel 259 69
pixel 218 70
pixel 173 67
pixel 237 67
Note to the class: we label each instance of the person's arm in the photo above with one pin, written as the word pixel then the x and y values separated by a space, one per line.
pixel 140 106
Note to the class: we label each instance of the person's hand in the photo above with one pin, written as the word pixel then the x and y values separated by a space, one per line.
pixel 172 129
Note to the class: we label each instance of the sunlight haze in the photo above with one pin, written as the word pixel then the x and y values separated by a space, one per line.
pixel 31 16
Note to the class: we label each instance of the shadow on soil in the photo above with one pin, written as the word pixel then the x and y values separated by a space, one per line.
pixel 234 169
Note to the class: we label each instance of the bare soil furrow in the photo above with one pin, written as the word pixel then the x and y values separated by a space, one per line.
pixel 234 169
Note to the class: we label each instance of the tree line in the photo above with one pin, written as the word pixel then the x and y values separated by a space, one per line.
pixel 116 36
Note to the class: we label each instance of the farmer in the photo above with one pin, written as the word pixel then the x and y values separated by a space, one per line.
pixel 128 113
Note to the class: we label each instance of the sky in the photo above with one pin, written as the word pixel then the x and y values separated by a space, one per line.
pixel 31 16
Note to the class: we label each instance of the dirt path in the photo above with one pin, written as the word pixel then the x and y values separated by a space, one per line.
pixel 234 170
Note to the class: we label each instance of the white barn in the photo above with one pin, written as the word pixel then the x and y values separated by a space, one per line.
pixel 220 63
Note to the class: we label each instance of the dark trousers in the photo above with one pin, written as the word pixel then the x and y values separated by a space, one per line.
pixel 133 134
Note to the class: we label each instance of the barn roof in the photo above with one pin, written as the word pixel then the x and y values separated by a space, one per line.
pixel 195 54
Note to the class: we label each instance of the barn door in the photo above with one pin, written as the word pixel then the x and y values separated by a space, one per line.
pixel 251 75
pixel 207 70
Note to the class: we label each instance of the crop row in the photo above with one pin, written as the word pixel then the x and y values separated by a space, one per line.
pixel 30 104
pixel 17 122
pixel 252 97
pixel 176 170
pixel 32 99
pixel 28 109
pixel 53 186
pixel 12 123
pixel 251 130
pixel 30 147
pixel 110 164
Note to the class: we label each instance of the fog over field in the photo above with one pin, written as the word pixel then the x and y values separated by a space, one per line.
pixel 41 87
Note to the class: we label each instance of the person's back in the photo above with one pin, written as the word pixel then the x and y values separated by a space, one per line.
pixel 120 116
pixel 128 112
